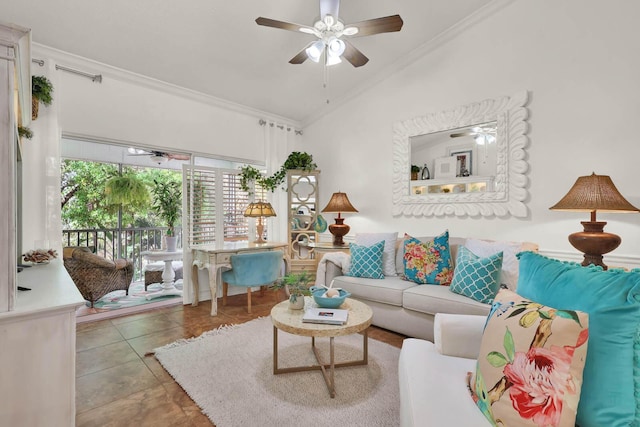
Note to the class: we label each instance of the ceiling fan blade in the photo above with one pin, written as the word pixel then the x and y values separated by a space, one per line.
pixel 329 7
pixel 300 57
pixel 353 55
pixel 388 24
pixel 460 134
pixel 178 156
pixel 268 22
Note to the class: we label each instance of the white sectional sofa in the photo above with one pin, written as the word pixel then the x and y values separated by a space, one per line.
pixel 406 307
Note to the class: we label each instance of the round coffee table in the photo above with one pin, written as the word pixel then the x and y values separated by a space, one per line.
pixel 290 321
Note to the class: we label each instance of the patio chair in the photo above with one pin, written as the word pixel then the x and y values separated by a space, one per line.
pixel 251 269
pixel 95 276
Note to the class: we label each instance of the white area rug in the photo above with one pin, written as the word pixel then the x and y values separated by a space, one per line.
pixel 228 372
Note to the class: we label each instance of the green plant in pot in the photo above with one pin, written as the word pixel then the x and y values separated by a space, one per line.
pixel 295 160
pixel 415 170
pixel 167 202
pixel 41 90
pixel 297 285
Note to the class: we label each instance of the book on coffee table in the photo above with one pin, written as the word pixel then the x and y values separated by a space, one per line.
pixel 329 316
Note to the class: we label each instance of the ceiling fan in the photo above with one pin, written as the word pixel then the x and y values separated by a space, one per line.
pixel 158 157
pixel 481 133
pixel 329 30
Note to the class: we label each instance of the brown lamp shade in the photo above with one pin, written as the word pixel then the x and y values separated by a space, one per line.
pixel 339 203
pixel 259 210
pixel 594 193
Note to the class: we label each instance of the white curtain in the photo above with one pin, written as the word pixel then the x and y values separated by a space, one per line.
pixel 280 140
pixel 41 173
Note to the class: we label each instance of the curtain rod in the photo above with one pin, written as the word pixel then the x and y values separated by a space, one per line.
pixel 40 62
pixel 93 77
pixel 263 122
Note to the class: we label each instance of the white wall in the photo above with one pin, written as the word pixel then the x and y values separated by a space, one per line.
pixel 579 61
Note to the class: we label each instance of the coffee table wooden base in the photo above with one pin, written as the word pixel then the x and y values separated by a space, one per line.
pixel 327 369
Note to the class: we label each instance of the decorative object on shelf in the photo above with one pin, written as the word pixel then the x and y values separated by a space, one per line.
pixel 295 160
pixel 40 256
pixel 339 203
pixel 41 89
pixel 25 132
pixel 321 224
pixel 297 285
pixel 167 201
pixel 445 167
pixel 425 174
pixel 594 193
pixel 259 210
pixel 415 170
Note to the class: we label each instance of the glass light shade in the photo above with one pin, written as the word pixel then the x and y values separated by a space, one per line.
pixel 335 47
pixel 333 60
pixel 314 52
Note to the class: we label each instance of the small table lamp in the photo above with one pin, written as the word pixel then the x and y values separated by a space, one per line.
pixel 594 193
pixel 339 203
pixel 259 210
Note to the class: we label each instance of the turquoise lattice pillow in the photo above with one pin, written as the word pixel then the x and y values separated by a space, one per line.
pixel 475 277
pixel 366 261
pixel 428 262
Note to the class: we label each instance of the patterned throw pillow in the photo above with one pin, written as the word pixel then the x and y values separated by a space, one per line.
pixel 529 370
pixel 611 391
pixel 366 261
pixel 475 277
pixel 388 254
pixel 485 248
pixel 428 262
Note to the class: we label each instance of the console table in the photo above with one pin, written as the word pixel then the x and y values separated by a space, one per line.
pixel 213 257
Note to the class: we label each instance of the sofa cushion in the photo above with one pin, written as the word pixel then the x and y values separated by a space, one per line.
pixel 387 291
pixel 529 370
pixel 389 252
pixel 428 262
pixel 439 299
pixel 611 388
pixel 366 261
pixel 476 277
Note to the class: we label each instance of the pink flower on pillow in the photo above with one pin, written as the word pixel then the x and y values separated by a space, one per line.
pixel 540 378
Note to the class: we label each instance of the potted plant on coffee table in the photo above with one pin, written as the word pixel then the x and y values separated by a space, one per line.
pixel 297 285
pixel 167 201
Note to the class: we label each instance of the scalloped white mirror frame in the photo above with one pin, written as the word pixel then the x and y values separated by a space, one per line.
pixel 510 192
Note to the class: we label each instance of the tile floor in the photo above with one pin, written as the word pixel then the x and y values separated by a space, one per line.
pixel 117 384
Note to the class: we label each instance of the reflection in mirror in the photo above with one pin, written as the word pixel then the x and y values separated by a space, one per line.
pixel 471 160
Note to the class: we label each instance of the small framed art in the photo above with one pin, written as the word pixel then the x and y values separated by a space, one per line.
pixel 445 167
pixel 464 162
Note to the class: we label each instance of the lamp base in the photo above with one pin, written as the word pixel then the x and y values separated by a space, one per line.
pixel 259 232
pixel 339 230
pixel 594 242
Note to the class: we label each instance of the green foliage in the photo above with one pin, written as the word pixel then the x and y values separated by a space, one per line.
pixel 415 169
pixel 127 191
pixel 297 283
pixel 167 201
pixel 296 160
pixel 25 132
pixel 41 89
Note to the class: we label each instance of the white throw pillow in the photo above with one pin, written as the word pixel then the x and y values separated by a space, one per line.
pixel 486 248
pixel 388 255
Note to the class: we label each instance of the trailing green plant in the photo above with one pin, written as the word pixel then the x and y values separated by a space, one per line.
pixel 25 132
pixel 415 169
pixel 295 160
pixel 167 201
pixel 296 283
pixel 41 89
pixel 127 191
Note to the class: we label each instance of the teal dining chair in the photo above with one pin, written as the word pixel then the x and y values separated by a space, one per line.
pixel 250 270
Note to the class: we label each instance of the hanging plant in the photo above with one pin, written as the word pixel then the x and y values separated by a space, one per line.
pixel 295 160
pixel 25 132
pixel 41 90
pixel 128 191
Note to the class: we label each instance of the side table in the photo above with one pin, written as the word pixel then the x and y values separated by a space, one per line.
pixel 320 249
pixel 168 275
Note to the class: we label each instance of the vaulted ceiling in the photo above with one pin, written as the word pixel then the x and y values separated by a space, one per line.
pixel 215 46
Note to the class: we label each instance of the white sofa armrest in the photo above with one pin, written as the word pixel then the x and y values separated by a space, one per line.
pixel 458 335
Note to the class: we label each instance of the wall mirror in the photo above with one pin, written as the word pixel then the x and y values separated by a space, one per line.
pixel 474 156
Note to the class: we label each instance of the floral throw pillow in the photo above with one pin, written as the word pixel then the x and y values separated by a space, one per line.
pixel 529 370
pixel 428 262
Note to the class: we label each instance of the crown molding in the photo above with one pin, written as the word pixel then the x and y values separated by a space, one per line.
pixel 450 33
pixel 95 67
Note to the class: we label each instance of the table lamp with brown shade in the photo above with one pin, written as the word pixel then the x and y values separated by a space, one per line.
pixel 339 203
pixel 594 193
pixel 259 210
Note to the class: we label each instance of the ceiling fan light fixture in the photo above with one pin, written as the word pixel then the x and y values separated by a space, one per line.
pixel 329 20
pixel 307 30
pixel 333 60
pixel 350 31
pixel 158 159
pixel 314 52
pixel 335 47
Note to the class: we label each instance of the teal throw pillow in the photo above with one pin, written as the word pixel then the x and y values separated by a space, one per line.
pixel 366 261
pixel 428 262
pixel 475 277
pixel 611 389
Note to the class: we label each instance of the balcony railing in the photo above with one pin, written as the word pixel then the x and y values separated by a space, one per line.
pixel 114 243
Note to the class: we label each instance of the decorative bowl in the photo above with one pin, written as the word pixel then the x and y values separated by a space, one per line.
pixel 328 302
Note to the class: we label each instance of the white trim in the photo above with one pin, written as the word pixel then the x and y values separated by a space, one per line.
pixel 611 260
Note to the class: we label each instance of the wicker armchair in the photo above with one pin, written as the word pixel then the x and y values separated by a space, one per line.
pixel 94 275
